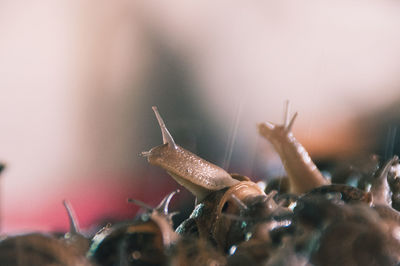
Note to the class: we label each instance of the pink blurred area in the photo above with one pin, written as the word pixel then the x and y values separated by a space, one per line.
pixel 74 75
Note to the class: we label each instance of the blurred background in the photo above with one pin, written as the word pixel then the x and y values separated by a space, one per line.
pixel 78 79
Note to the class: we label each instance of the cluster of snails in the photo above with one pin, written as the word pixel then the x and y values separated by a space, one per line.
pixel 310 221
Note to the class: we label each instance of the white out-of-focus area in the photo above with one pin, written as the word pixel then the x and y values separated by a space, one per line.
pixel 76 77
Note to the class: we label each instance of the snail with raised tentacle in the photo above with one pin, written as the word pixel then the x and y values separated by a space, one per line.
pixel 220 195
pixel 38 249
pixel 194 173
pixel 74 238
pixel 302 172
pixel 139 242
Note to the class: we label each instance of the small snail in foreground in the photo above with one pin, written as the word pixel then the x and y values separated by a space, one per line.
pixel 46 249
pixel 39 249
pixel 139 242
pixel 302 172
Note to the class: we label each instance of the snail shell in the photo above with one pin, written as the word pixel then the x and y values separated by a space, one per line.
pixel 220 217
pixel 194 173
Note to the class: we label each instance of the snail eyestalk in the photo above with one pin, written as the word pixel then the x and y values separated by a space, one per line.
pixel 167 138
pixel 73 224
pixel 290 125
pixel 287 113
pixel 140 204
pixel 164 204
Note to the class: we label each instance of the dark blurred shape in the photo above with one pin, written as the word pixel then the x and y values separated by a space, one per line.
pixel 2 167
pixel 382 128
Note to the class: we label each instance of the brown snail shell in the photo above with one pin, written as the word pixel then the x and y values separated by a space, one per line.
pixel 212 218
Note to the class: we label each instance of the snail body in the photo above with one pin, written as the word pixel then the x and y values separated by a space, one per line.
pixel 302 172
pixel 194 173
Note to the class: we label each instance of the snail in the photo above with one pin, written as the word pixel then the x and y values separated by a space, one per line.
pixel 303 174
pixel 46 249
pixel 220 195
pixel 139 242
pixel 194 173
pixel 39 249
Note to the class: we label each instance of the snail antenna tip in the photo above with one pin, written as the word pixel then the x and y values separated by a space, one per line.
pixel 167 138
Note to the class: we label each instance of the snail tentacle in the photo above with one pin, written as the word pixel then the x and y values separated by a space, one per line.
pixel 140 204
pixel 73 223
pixel 163 206
pixel 167 138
